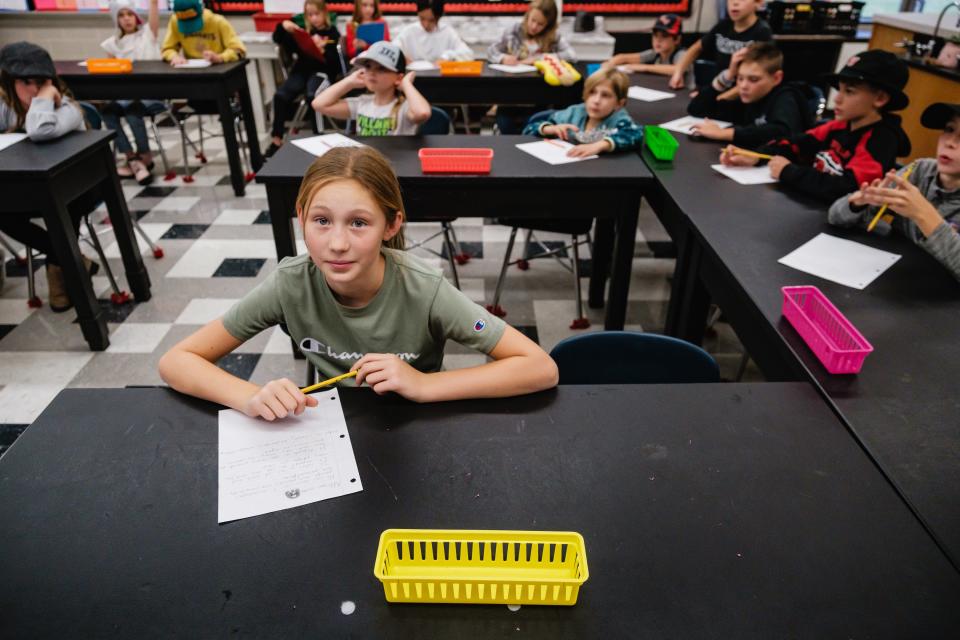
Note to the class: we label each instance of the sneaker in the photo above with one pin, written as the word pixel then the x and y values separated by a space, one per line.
pixel 272 149
pixel 140 172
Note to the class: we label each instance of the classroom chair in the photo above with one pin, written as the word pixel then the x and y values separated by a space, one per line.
pixel 577 228
pixel 631 357
pixel 439 123
pixel 183 110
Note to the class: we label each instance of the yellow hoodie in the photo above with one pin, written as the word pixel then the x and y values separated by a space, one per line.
pixel 216 35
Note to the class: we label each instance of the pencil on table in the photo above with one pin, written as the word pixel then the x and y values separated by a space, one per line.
pixel 325 383
pixel 883 209
pixel 750 154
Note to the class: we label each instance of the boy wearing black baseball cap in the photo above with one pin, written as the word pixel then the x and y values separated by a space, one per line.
pixel 663 57
pixel 859 145
pixel 927 202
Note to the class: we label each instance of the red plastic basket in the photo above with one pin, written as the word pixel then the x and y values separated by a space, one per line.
pixel 831 337
pixel 450 160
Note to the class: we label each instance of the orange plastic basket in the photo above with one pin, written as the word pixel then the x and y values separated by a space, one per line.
pixel 461 67
pixel 109 65
pixel 450 160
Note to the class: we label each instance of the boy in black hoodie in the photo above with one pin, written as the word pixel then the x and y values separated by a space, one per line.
pixel 860 145
pixel 766 109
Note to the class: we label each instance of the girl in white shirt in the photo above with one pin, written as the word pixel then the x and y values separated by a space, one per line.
pixel 428 40
pixel 133 41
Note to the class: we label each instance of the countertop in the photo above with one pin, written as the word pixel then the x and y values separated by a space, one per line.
pixel 921 22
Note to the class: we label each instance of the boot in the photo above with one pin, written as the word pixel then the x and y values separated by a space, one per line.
pixel 57 286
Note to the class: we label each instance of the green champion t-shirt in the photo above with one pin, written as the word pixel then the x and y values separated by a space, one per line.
pixel 413 315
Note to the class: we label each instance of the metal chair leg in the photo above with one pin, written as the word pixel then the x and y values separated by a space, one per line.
pixel 117 297
pixel 33 301
pixel 168 175
pixel 580 322
pixel 450 254
pixel 495 308
pixel 742 368
pixel 461 256
pixel 156 249
pixel 523 264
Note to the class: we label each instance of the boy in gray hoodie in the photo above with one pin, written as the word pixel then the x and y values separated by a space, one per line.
pixel 926 203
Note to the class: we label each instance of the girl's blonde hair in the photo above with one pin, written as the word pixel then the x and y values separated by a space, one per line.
pixel 356 11
pixel 366 166
pixel 548 37
pixel 321 6
pixel 617 79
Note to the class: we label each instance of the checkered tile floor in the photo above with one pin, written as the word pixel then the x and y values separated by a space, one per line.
pixel 217 247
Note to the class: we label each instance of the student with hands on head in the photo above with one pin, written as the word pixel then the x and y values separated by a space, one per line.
pixel 599 124
pixel 926 205
pixel 392 106
pixel 357 302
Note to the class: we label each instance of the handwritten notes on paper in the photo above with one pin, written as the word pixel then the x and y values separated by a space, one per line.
pixel 686 124
pixel 319 145
pixel 746 175
pixel 551 151
pixel 648 95
pixel 271 466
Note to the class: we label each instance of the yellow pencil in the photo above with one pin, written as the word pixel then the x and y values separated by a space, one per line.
pixel 325 383
pixel 750 154
pixel 883 209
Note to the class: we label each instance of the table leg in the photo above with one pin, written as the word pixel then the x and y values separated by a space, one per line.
pixel 79 288
pixel 237 179
pixel 601 253
pixel 137 276
pixel 249 121
pixel 689 298
pixel 626 237
pixel 281 200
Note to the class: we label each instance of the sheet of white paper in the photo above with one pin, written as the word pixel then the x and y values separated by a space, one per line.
pixel 421 65
pixel 513 68
pixel 319 145
pixel 551 151
pixel 746 175
pixel 622 68
pixel 842 261
pixel 7 139
pixel 194 63
pixel 682 125
pixel 82 63
pixel 648 95
pixel 271 466
pixel 282 6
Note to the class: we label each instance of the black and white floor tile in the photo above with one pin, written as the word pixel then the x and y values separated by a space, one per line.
pixel 217 247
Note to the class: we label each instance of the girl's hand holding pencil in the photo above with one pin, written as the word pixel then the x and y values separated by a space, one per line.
pixel 385 372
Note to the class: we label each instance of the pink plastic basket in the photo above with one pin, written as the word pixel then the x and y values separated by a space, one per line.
pixel 831 337
pixel 451 160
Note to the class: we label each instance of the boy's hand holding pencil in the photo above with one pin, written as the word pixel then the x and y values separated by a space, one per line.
pixel 276 400
pixel 902 197
pixel 732 156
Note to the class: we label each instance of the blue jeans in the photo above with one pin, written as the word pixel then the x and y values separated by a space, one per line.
pixel 132 111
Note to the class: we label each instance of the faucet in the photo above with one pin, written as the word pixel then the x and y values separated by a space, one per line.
pixel 940 17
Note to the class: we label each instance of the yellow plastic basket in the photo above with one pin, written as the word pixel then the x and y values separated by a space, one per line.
pixel 481 567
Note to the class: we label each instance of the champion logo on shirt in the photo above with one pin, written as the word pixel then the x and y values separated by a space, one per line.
pixel 479 325
pixel 310 345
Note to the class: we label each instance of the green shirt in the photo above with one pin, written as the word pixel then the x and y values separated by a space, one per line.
pixel 413 315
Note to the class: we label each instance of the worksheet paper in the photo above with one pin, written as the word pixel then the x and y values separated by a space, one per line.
pixel 746 175
pixel 842 261
pixel 319 145
pixel 271 466
pixel 194 63
pixel 684 124
pixel 513 68
pixel 551 151
pixel 421 65
pixel 648 95
pixel 7 139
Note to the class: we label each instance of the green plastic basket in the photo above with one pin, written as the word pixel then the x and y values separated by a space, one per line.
pixel 661 142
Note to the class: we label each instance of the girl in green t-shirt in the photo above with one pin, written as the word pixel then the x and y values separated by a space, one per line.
pixel 357 302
